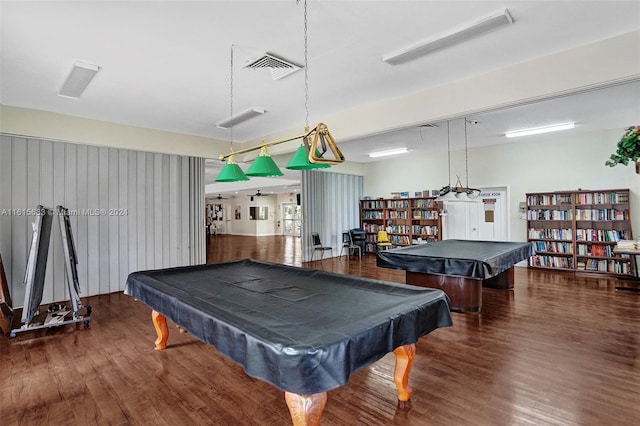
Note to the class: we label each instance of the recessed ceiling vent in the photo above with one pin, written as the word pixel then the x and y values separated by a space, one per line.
pixel 279 67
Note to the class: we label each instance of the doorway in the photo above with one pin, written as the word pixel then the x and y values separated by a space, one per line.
pixel 291 219
pixel 487 220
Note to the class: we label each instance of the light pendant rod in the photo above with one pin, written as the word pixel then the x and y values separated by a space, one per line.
pixel 445 193
pixel 466 153
pixel 223 157
pixel 318 134
pixel 231 172
pixel 449 151
pixel 231 99
pixel 306 69
pixel 466 193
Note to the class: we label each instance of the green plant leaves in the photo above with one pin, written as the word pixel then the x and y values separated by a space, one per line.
pixel 628 148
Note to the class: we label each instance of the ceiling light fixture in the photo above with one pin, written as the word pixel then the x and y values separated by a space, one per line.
pixel 231 172
pixel 316 143
pixel 477 29
pixel 458 192
pixel 79 78
pixel 538 130
pixel 263 165
pixel 241 117
pixel 389 152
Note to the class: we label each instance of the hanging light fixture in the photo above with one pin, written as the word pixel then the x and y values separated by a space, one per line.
pixel 300 160
pixel 316 143
pixel 458 192
pixel 263 165
pixel 231 172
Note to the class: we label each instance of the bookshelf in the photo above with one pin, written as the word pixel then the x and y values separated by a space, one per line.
pixel 408 221
pixel 577 230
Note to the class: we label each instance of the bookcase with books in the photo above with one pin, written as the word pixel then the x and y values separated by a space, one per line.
pixel 578 230
pixel 408 221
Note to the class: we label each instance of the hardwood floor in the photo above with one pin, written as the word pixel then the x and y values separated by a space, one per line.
pixel 559 349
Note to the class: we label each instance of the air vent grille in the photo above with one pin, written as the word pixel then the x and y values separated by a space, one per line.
pixel 279 67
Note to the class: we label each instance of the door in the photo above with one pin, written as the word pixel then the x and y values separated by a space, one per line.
pixel 486 220
pixel 492 215
pixel 291 219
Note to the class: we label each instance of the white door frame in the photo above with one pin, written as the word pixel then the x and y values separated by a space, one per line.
pixel 463 220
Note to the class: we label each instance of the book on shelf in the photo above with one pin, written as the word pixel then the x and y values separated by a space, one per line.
pixel 407 220
pixel 627 244
pixel 580 230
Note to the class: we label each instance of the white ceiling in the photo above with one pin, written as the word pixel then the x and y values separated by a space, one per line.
pixel 165 64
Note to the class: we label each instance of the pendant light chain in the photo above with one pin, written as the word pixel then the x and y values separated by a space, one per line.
pixel 449 151
pixel 306 69
pixel 231 99
pixel 466 154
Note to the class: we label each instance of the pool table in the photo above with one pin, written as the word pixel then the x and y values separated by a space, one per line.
pixel 459 267
pixel 301 330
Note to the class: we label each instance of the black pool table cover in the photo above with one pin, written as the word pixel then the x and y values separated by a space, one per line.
pixel 302 330
pixel 470 258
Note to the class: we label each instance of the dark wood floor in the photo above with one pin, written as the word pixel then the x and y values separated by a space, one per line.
pixel 559 349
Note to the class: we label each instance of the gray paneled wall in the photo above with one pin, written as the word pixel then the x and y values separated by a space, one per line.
pixel 129 211
pixel 330 205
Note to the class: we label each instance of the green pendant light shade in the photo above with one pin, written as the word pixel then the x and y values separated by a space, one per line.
pixel 300 161
pixel 231 172
pixel 264 166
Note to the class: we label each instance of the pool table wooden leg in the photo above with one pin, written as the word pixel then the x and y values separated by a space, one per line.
pixel 160 323
pixel 404 360
pixel 306 410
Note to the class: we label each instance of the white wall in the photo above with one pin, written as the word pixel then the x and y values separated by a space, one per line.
pixel 553 162
pixel 245 226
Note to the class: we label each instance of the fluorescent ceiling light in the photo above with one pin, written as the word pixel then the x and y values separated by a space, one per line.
pixel 240 117
pixel 537 130
pixel 78 80
pixel 415 51
pixel 388 152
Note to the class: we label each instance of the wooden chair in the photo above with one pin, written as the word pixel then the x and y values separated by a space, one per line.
pixel 317 246
pixel 383 241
